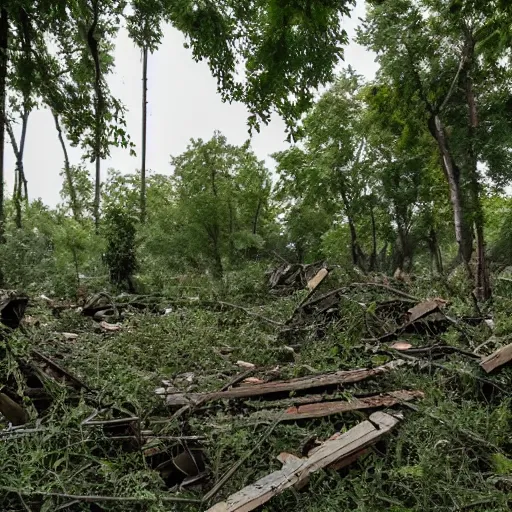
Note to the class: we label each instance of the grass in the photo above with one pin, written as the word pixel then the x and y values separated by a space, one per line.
pixel 453 453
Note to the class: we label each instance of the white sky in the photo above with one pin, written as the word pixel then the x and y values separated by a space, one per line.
pixel 183 103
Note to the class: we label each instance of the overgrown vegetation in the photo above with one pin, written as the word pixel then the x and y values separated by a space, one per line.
pixel 400 183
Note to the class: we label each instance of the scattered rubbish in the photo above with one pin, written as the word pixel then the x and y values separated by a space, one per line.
pixel 257 394
pixel 110 327
pixel 317 280
pixel 286 386
pixel 69 335
pixel 12 307
pixel 401 345
pixel 252 380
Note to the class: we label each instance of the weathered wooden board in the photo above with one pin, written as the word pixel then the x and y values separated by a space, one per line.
pixel 309 382
pixel 295 470
pixel 319 410
pixel 499 358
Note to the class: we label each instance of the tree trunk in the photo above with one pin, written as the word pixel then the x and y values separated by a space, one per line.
pixel 144 132
pixel 435 251
pixel 463 233
pixel 482 284
pixel 373 257
pixel 256 217
pixel 231 232
pixel 75 209
pixel 93 47
pixel 19 174
pixel 218 270
pixel 356 251
pixel 4 37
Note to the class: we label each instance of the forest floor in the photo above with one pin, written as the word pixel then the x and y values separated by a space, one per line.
pixel 122 423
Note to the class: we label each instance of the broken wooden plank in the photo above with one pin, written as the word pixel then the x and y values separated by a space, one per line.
pixel 283 386
pixel 59 370
pixel 498 358
pixel 315 282
pixel 320 410
pixel 422 310
pixel 295 470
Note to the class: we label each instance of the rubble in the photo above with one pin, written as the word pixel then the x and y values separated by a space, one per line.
pixel 291 277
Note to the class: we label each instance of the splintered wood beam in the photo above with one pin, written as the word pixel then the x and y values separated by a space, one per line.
pixel 320 410
pixel 309 382
pixel 499 358
pixel 296 470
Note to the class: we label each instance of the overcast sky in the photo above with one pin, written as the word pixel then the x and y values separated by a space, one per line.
pixel 183 103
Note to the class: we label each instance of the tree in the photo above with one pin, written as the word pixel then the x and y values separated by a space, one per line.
pixel 222 193
pixel 428 53
pixel 331 172
pixel 288 49
pixel 144 26
pixel 405 164
pixel 4 39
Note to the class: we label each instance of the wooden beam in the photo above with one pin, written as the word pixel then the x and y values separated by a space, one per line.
pixel 296 470
pixel 502 356
pixel 319 410
pixel 282 386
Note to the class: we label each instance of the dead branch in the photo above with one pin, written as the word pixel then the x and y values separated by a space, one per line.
pixel 93 499
pixel 119 421
pixel 60 370
pixel 237 379
pixel 395 291
pixel 251 313
pixel 218 486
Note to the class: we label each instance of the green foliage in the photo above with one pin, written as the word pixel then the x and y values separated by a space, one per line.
pixel 51 254
pixel 221 202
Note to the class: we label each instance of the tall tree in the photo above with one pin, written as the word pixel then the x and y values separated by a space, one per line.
pixel 144 27
pixel 4 41
pixel 429 53
pixel 222 193
pixel 330 173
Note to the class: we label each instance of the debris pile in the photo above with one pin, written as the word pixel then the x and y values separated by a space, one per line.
pixel 400 329
pixel 309 398
pixel 290 277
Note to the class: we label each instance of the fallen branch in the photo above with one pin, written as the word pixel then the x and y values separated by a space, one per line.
pixel 92 498
pixel 237 379
pixel 296 470
pixel 218 486
pixel 444 349
pixel 459 371
pixel 396 291
pixel 251 313
pixel 119 421
pixel 60 370
pixel 310 382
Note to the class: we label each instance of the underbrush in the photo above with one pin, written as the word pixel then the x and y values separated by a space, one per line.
pixel 452 451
